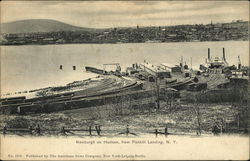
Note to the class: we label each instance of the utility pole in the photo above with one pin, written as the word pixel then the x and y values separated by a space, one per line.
pixel 157 84
pixel 198 114
pixel 198 118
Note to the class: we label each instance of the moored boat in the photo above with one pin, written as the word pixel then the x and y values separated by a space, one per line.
pixel 95 70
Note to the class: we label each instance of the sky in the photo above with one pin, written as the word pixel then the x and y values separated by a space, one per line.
pixel 105 14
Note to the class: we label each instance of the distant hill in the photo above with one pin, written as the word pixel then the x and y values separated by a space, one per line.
pixel 39 25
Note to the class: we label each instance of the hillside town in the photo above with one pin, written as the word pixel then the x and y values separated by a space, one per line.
pixel 236 30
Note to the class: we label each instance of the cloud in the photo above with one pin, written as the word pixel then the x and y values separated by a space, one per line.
pixel 125 13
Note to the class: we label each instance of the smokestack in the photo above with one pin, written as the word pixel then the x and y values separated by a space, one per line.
pixel 239 63
pixel 191 63
pixel 224 57
pixel 208 54
pixel 181 63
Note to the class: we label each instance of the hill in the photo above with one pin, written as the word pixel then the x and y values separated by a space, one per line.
pixel 39 25
pixel 46 32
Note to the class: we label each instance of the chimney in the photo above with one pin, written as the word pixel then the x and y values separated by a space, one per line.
pixel 224 56
pixel 208 54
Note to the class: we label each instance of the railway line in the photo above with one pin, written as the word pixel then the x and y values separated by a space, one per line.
pixel 76 99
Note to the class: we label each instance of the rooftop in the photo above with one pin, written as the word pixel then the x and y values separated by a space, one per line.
pixel 153 67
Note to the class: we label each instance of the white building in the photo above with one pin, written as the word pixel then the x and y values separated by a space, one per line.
pixel 155 70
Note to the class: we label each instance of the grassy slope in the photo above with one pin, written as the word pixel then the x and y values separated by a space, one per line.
pixel 179 119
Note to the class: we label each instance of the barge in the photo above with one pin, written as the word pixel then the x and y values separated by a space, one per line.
pixel 95 70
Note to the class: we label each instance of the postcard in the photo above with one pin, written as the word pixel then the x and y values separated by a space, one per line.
pixel 124 80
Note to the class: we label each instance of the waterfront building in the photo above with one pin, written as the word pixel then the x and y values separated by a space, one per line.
pixel 154 70
pixel 171 68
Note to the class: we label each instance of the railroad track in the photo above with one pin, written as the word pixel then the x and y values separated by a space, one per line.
pixel 60 100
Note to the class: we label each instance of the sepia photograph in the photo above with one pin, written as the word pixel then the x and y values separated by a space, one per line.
pixel 124 80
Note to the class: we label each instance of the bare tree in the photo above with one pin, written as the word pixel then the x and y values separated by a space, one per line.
pixel 120 103
pixel 196 108
pixel 156 87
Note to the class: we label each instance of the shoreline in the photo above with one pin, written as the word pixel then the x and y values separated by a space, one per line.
pixel 114 43
pixel 33 91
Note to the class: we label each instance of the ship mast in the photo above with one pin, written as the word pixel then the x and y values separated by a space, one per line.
pixel 208 55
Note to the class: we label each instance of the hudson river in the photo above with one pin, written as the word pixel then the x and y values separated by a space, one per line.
pixel 36 66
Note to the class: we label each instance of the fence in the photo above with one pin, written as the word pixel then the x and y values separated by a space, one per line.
pixel 98 131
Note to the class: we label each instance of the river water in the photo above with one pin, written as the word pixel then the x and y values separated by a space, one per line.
pixel 36 66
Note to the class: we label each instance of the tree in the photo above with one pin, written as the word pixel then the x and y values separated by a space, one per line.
pixel 196 108
pixel 197 113
pixel 156 87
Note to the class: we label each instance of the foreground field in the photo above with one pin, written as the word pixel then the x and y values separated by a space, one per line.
pixel 187 119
